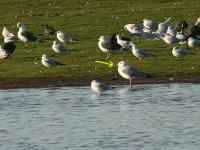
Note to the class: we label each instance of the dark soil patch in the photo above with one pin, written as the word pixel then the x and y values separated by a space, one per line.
pixel 85 81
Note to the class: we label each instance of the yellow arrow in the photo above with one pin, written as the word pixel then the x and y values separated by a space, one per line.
pixel 110 63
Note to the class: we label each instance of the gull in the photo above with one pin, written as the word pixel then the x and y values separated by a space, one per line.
pixel 10 38
pixel 6 32
pixel 59 48
pixel 192 42
pixel 124 42
pixel 49 30
pixel 171 39
pixel 136 31
pixel 49 62
pixel 62 37
pixel 140 53
pixel 180 52
pixel 107 45
pixel 3 53
pixel 162 29
pixel 99 87
pixel 129 27
pixel 128 72
pixel 25 35
pixel 147 23
pixel 171 31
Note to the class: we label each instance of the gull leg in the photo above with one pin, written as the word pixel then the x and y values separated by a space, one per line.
pixel 26 45
pixel 130 83
pixel 108 55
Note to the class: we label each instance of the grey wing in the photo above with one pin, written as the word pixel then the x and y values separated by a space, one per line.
pixel 133 72
pixel 145 53
pixel 197 43
pixel 111 45
pixel 51 62
pixel 104 87
pixel 29 36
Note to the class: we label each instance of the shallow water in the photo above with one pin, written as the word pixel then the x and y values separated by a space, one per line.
pixel 149 117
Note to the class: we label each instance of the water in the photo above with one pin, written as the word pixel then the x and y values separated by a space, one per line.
pixel 150 117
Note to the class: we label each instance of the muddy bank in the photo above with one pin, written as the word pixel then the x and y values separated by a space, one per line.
pixel 85 81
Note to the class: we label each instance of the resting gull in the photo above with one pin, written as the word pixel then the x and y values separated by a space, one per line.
pixel 59 48
pixel 64 38
pixel 25 35
pixel 99 87
pixel 180 52
pixel 49 62
pixel 129 27
pixel 192 42
pixel 150 24
pixel 128 72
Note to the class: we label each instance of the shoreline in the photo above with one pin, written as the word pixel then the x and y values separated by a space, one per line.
pixel 85 81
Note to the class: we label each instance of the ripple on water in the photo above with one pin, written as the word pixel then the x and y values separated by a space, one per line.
pixel 160 116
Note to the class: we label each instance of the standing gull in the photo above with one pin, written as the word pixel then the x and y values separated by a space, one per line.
pixel 49 62
pixel 99 87
pixel 128 72
pixel 107 45
pixel 25 35
pixel 59 48
pixel 140 52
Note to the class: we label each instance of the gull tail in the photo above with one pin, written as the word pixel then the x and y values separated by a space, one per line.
pixel 58 63
pixel 148 76
pixel 152 55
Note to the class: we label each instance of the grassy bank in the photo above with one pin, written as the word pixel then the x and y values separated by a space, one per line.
pixel 86 21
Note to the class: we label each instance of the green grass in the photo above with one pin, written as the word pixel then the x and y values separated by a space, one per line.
pixel 86 20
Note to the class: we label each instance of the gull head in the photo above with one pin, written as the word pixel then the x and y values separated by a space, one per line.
pixel 190 38
pixel 44 56
pixel 175 48
pixel 102 38
pixel 94 82
pixel 121 64
pixel 59 32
